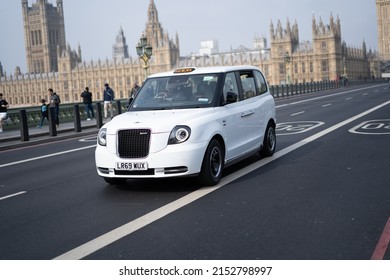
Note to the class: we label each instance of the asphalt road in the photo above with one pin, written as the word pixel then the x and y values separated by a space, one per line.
pixel 324 195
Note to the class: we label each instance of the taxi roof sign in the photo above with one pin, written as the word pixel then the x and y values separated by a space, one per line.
pixel 184 70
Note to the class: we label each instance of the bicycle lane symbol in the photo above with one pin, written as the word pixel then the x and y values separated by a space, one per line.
pixel 372 127
pixel 289 128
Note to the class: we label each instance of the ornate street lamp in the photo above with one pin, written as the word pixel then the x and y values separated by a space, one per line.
pixel 144 51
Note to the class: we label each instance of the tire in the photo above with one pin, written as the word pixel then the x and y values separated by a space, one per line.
pixel 115 181
pixel 269 142
pixel 212 165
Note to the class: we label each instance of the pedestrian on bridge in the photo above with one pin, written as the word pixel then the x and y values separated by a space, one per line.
pixel 55 103
pixel 87 100
pixel 44 112
pixel 3 111
pixel 108 98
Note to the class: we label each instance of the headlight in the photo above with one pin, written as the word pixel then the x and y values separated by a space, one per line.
pixel 102 137
pixel 179 134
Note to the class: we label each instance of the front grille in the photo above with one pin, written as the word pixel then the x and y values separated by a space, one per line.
pixel 133 143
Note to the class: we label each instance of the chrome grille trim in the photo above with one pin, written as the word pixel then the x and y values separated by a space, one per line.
pixel 133 143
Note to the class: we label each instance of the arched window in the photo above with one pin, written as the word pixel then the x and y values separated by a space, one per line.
pixel 32 38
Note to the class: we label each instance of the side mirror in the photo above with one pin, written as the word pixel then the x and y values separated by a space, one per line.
pixel 231 97
pixel 129 101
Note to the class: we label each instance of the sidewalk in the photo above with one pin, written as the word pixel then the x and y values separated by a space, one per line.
pixel 12 138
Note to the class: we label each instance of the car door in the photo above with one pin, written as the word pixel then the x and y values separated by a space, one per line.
pixel 252 115
pixel 264 103
pixel 239 119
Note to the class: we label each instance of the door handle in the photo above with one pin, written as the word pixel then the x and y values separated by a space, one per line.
pixel 247 114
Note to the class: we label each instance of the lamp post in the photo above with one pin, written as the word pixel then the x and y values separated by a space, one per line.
pixel 144 51
pixel 287 60
pixel 344 67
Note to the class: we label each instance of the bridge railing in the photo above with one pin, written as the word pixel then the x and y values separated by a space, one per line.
pixel 67 111
pixel 285 90
pixel 66 114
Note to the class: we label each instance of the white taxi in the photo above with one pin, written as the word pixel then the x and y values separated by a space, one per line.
pixel 189 122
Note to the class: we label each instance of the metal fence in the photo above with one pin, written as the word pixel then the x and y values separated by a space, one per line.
pixel 66 113
pixel 286 90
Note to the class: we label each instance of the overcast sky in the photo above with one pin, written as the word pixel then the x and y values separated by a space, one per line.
pixel 94 24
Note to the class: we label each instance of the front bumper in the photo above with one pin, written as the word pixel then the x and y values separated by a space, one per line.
pixel 183 159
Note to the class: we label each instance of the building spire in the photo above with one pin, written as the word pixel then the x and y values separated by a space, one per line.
pixel 120 48
pixel 272 30
pixel 1 70
pixel 154 31
pixel 314 25
pixel 288 27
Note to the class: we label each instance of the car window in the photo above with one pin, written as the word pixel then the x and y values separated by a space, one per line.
pixel 248 84
pixel 177 91
pixel 260 82
pixel 230 85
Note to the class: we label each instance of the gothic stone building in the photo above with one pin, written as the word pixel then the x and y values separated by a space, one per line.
pixel 291 61
pixel 383 19
pixel 53 64
pixel 383 16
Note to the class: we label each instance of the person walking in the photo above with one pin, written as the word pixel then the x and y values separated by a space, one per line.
pixel 134 90
pixel 133 94
pixel 108 98
pixel 87 100
pixel 55 103
pixel 3 111
pixel 44 112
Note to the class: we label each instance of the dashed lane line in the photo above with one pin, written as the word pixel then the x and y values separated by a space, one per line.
pixel 12 195
pixel 297 113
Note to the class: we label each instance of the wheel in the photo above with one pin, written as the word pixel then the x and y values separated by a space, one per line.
pixel 114 181
pixel 269 142
pixel 212 165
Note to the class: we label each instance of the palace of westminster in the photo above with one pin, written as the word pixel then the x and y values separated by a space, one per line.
pixel 53 64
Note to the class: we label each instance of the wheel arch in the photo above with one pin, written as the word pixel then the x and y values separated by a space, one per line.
pixel 220 139
pixel 272 122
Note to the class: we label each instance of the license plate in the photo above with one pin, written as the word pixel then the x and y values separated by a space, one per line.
pixel 131 166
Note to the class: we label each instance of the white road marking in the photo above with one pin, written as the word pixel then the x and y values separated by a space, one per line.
pixel 297 113
pixel 326 105
pixel 289 128
pixel 46 156
pixel 12 195
pixel 122 231
pixel 89 139
pixel 372 126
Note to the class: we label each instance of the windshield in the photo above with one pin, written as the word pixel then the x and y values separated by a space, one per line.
pixel 180 91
